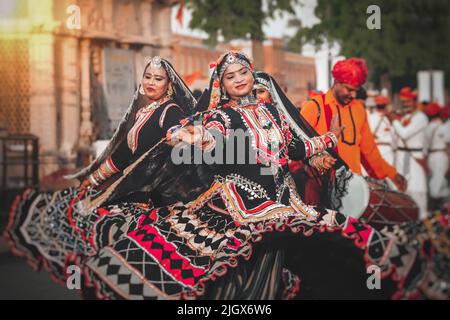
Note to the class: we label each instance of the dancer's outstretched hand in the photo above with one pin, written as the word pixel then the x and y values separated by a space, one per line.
pixel 188 134
pixel 323 163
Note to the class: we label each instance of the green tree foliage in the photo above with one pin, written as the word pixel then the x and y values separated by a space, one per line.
pixel 414 34
pixel 235 19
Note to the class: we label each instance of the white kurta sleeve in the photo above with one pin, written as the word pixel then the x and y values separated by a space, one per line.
pixel 416 125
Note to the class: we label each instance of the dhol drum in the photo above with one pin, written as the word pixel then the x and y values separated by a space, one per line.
pixel 374 202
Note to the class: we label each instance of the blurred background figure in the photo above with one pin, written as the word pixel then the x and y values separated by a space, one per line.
pixel 361 95
pixel 261 88
pixel 422 106
pixel 445 115
pixel 409 129
pixel 437 156
pixel 197 93
pixel 382 129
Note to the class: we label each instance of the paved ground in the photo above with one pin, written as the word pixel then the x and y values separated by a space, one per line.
pixel 18 281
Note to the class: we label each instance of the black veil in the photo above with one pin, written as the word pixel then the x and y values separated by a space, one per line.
pixel 153 174
pixel 181 95
pixel 167 183
pixel 335 182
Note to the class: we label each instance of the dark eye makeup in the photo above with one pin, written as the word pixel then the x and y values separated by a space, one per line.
pixel 157 78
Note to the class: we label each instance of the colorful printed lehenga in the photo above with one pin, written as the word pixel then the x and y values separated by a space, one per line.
pixel 246 236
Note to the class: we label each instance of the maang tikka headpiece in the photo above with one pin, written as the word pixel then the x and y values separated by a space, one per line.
pixel 155 62
pixel 234 57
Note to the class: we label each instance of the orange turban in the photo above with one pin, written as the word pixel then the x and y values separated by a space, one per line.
pixel 381 100
pixel 407 94
pixel 352 71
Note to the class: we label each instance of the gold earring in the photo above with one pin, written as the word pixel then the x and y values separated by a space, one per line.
pixel 170 92
pixel 141 90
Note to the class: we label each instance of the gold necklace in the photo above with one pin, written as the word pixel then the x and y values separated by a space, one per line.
pixel 152 106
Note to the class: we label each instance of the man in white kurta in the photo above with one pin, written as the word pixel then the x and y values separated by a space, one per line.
pixel 410 141
pixel 437 159
pixel 382 129
pixel 445 115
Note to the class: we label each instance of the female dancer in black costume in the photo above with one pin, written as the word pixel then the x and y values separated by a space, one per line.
pixel 49 228
pixel 240 238
pixel 249 235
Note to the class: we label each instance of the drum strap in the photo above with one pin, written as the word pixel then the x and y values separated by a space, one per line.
pixel 319 111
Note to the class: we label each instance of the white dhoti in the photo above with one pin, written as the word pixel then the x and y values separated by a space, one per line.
pixel 438 185
pixel 414 173
pixel 387 152
pixel 410 144
pixel 384 134
pixel 437 159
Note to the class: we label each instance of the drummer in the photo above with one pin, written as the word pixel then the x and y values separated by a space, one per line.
pixel 356 145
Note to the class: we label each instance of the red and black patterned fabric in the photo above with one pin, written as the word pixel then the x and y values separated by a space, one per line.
pixel 247 236
pixel 178 257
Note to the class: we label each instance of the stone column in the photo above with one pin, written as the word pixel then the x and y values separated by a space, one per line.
pixel 108 7
pixel 42 93
pixel 86 124
pixel 43 111
pixel 165 31
pixel 70 98
pixel 146 14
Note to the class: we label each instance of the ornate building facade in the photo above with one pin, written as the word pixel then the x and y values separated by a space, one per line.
pixel 69 68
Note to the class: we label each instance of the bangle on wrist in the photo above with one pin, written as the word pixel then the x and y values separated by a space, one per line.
pixel 94 182
pixel 331 140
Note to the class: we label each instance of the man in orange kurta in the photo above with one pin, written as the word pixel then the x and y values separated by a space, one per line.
pixel 356 145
